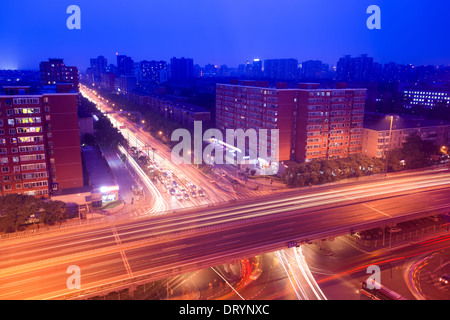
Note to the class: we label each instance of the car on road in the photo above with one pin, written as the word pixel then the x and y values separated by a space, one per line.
pixel 393 229
pixel 444 279
pixel 179 196
pixel 174 184
pixel 193 187
pixel 186 196
pixel 224 174
pixel 200 193
pixel 434 218
pixel 172 191
pixel 194 194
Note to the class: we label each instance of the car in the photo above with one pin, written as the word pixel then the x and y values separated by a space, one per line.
pixel 175 184
pixel 179 196
pixel 444 279
pixel 200 193
pixel 193 187
pixel 224 174
pixel 194 194
pixel 172 191
pixel 393 229
pixel 434 218
pixel 186 196
pixel 358 235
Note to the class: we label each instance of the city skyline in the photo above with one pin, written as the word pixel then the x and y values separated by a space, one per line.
pixel 224 33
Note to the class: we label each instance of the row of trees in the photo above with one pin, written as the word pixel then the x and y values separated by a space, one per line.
pixel 154 122
pixel 325 171
pixel 17 211
pixel 415 153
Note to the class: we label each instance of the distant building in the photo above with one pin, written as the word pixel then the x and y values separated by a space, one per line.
pixel 39 142
pixel 313 123
pixel 281 69
pixel 173 109
pixel 55 71
pixel 125 84
pixel 427 97
pixel 181 69
pixel 125 66
pixel 153 71
pixel 377 142
pixel 350 69
pixel 108 81
pixel 98 67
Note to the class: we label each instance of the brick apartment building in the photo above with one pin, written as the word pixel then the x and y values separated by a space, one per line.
pixel 39 142
pixel 313 123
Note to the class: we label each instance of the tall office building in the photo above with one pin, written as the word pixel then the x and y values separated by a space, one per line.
pixel 181 69
pixel 54 71
pixel 313 123
pixel 39 142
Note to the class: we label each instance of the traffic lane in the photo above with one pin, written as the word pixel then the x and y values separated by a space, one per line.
pixel 145 230
pixel 50 282
pixel 344 276
pixel 258 236
pixel 424 274
pixel 40 249
pixel 219 244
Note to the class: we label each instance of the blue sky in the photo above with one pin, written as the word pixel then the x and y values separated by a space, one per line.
pixel 223 31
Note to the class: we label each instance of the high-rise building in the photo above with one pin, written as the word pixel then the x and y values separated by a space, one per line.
pixel 181 69
pixel 281 69
pixel 98 66
pixel 355 69
pixel 314 70
pixel 39 142
pixel 125 65
pixel 313 123
pixel 153 71
pixel 54 71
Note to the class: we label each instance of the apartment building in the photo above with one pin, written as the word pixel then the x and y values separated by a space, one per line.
pixel 39 142
pixel 379 139
pixel 313 123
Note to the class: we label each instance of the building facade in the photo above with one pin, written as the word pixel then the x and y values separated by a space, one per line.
pixel 313 123
pixel 181 69
pixel 39 142
pixel 54 71
pixel 377 142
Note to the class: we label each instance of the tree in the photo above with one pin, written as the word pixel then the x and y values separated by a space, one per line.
pixel 53 211
pixel 15 210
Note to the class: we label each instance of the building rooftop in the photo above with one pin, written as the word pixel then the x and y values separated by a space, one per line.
pixel 379 122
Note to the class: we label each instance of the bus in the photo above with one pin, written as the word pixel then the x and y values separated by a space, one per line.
pixel 382 293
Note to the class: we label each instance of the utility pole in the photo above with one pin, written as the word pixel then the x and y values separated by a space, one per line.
pixel 389 145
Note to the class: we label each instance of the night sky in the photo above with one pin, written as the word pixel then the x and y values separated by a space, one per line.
pixel 223 31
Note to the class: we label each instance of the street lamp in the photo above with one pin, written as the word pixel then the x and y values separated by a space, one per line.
pixel 391 118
